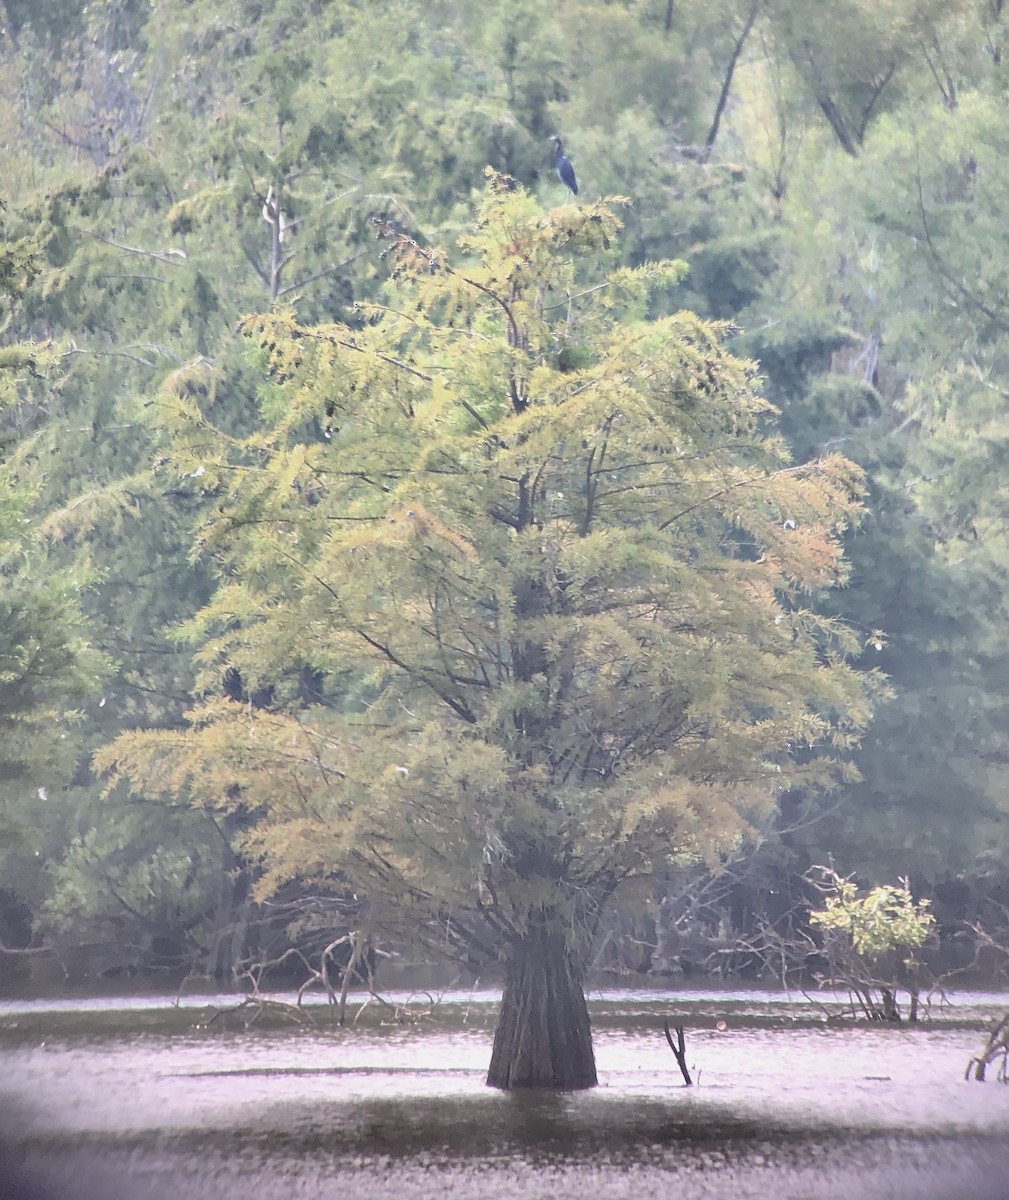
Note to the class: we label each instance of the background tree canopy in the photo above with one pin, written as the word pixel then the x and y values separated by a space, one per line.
pixel 218 388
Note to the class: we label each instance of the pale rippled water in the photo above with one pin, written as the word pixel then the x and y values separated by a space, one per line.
pixel 119 1101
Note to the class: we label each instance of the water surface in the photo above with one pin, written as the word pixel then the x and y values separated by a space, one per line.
pixel 106 1100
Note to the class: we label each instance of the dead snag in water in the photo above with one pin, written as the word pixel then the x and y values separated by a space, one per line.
pixel 997 1047
pixel 321 975
pixel 679 1049
pixel 400 1014
pixel 358 953
pixel 254 1007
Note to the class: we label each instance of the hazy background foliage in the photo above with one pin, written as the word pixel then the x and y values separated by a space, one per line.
pixel 837 190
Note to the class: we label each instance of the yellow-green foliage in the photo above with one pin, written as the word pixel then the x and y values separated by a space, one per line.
pixel 875 922
pixel 558 599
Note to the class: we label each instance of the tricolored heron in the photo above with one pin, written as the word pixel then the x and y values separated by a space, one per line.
pixel 565 171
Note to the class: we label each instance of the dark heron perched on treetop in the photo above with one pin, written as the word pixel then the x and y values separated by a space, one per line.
pixel 565 171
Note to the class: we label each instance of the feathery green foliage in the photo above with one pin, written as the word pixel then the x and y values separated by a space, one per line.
pixel 47 666
pixel 576 597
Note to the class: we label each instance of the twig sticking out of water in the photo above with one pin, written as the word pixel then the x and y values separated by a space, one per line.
pixel 679 1049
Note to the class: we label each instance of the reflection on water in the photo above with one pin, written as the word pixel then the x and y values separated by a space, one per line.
pixel 103 1103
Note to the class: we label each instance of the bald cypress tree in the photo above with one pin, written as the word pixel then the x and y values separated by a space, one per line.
pixel 553 564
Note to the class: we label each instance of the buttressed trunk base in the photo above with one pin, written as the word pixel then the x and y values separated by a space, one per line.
pixel 543 1037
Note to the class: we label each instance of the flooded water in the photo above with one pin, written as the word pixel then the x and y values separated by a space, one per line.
pixel 140 1100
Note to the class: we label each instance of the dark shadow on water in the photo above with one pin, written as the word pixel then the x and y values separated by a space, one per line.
pixel 579 1127
pixel 480 1147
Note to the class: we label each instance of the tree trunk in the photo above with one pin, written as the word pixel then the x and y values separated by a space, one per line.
pixel 543 1037
pixel 730 70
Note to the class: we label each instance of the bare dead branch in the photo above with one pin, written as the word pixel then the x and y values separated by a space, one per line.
pixel 679 1049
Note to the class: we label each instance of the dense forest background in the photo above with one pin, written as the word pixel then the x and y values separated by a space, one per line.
pixel 838 191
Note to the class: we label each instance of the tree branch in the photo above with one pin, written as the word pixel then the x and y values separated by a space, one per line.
pixel 293 287
pixel 679 1049
pixel 171 255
